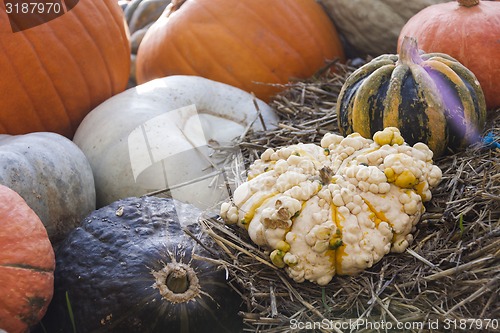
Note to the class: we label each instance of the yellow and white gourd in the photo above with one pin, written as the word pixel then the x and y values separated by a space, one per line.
pixel 335 208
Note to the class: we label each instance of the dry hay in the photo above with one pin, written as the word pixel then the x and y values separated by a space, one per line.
pixel 450 272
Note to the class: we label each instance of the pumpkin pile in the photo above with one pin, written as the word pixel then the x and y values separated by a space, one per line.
pixel 124 128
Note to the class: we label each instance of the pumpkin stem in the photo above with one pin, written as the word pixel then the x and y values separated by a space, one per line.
pixel 177 280
pixel 468 3
pixel 409 51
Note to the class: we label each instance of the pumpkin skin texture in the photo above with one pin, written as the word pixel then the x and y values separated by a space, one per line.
pixel 27 264
pixel 246 44
pixel 111 264
pixel 372 27
pixel 430 98
pixel 468 34
pixel 53 175
pixel 55 73
pixel 112 136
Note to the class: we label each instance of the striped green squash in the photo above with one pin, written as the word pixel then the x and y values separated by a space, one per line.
pixel 430 97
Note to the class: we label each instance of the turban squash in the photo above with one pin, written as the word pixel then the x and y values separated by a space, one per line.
pixel 467 30
pixel 246 44
pixel 430 97
pixel 26 264
pixel 56 72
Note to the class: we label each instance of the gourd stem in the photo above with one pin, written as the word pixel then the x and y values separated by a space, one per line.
pixel 409 51
pixel 468 3
pixel 177 281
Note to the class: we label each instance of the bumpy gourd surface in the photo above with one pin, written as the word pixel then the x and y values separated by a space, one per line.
pixel 335 208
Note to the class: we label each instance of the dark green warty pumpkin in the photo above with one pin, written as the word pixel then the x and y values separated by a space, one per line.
pixel 131 267
pixel 431 98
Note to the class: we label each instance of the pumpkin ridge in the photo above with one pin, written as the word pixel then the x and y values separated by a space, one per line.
pixel 64 112
pixel 225 70
pixel 366 104
pixel 455 101
pixel 179 57
pixel 378 109
pixel 33 112
pixel 28 267
pixel 301 18
pixel 118 18
pixel 310 28
pixel 391 106
pixel 99 51
pixel 231 32
pixel 408 117
pixel 467 77
pixel 345 98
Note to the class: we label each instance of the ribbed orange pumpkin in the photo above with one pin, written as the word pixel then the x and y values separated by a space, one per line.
pixel 27 264
pixel 53 74
pixel 467 30
pixel 246 44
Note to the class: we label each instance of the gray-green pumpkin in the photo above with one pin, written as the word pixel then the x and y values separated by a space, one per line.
pixel 52 175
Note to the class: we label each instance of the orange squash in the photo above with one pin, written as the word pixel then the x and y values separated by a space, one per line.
pixel 467 30
pixel 54 73
pixel 246 44
pixel 27 264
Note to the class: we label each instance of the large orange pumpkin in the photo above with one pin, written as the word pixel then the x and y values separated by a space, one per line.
pixel 27 264
pixel 246 44
pixel 54 73
pixel 467 30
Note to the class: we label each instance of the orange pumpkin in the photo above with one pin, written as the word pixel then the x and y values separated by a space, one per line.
pixel 54 73
pixel 27 264
pixel 467 30
pixel 246 44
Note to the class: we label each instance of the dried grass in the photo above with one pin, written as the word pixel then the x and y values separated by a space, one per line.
pixel 450 272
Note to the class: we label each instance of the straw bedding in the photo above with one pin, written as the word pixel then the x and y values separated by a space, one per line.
pixel 449 276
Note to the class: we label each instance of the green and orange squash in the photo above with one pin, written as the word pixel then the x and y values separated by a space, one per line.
pixel 430 97
pixel 467 30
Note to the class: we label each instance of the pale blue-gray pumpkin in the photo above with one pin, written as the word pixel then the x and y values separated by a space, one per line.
pixel 52 175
